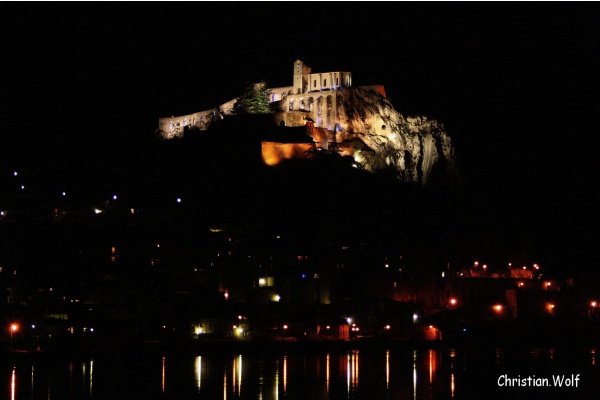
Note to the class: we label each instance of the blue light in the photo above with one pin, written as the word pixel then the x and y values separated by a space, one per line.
pixel 303 276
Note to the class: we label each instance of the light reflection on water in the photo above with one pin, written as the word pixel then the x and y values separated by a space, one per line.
pixel 375 373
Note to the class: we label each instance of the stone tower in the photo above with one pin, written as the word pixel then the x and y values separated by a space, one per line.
pixel 301 72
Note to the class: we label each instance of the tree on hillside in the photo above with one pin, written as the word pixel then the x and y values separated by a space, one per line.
pixel 256 99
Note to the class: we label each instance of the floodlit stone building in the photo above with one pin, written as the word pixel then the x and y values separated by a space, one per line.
pixel 314 96
pixel 355 121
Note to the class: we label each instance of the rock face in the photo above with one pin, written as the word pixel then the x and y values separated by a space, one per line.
pixel 379 137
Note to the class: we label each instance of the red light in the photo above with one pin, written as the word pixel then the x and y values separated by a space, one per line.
pixel 14 327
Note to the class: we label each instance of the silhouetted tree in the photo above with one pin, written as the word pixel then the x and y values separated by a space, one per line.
pixel 256 99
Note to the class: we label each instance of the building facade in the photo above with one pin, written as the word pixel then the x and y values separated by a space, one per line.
pixel 312 96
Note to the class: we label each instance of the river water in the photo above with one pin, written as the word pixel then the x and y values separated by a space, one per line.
pixel 380 373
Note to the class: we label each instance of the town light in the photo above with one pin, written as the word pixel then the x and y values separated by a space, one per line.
pixel 550 307
pixel 285 327
pixel 593 304
pixel 13 329
pixel 453 301
pixel 498 308
pixel 387 327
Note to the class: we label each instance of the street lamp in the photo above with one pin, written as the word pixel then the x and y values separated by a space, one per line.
pixel 13 329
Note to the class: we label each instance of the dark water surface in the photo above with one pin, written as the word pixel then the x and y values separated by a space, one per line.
pixel 381 373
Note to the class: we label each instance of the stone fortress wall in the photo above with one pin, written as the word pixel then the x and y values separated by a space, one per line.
pixel 313 96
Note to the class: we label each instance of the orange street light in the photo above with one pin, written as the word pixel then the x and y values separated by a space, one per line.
pixel 13 329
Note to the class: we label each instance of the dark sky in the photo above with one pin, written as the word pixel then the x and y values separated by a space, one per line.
pixel 516 84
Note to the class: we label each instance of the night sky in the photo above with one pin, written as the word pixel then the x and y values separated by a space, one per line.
pixel 515 84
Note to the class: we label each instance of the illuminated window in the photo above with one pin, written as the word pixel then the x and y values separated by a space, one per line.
pixel 266 281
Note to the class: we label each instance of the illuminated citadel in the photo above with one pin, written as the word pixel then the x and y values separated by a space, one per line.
pixel 353 121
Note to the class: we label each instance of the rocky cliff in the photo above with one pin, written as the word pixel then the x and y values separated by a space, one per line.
pixel 379 137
